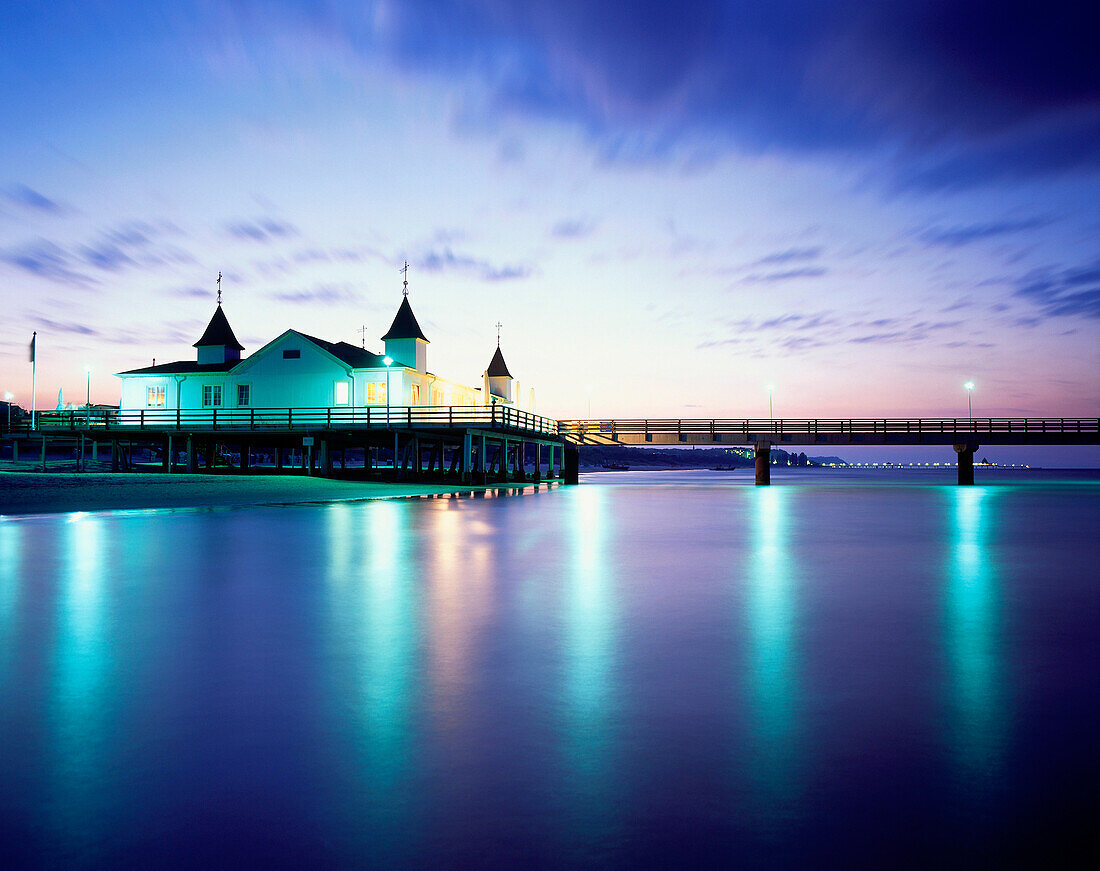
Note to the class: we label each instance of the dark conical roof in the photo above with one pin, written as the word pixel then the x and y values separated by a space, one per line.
pixel 404 325
pixel 497 366
pixel 218 332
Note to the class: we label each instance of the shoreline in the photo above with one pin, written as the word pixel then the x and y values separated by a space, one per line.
pixel 24 494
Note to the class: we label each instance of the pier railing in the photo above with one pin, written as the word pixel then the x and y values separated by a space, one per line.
pixel 608 430
pixel 283 419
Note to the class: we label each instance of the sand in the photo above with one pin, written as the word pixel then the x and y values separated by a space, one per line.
pixel 23 493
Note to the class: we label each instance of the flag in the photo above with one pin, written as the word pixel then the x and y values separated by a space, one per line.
pixel 33 337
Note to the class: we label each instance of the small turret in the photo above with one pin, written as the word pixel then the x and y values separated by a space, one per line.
pixel 500 379
pixel 405 341
pixel 218 344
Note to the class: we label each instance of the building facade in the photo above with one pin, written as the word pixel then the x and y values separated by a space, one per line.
pixel 296 370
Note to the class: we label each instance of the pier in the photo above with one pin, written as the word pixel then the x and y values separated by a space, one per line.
pixel 479 444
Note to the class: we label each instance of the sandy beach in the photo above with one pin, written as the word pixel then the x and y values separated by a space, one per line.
pixel 24 493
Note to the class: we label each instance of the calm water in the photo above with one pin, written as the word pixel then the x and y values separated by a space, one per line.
pixel 648 670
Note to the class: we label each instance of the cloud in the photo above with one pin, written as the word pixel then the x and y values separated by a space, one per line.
pixel 960 90
pixel 134 244
pixel 958 236
pixel 325 294
pixel 262 230
pixel 64 326
pixel 785 275
pixel 572 229
pixel 1073 292
pixel 788 255
pixel 29 198
pixel 446 260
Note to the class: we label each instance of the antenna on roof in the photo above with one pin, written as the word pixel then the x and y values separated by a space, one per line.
pixel 405 269
pixel 499 325
pixel 219 287
pixel 362 331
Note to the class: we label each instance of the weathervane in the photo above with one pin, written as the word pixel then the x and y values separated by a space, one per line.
pixel 219 287
pixel 499 325
pixel 405 269
pixel 362 331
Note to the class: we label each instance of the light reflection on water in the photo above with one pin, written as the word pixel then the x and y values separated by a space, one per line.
pixel 771 623
pixel 557 678
pixel 979 718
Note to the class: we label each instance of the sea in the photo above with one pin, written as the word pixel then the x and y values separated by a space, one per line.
pixel 846 669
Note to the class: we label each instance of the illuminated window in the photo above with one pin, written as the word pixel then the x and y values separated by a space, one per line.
pixel 154 397
pixel 376 392
pixel 342 393
pixel 416 394
pixel 244 395
pixel 211 396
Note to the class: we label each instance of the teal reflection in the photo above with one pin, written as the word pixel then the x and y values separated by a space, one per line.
pixel 973 634
pixel 10 566
pixel 80 700
pixel 772 621
pixel 371 573
pixel 589 663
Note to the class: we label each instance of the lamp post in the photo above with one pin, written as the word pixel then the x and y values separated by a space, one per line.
pixel 88 399
pixel 969 385
pixel 8 397
pixel 389 362
pixel 771 405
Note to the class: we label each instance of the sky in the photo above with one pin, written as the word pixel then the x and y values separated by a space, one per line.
pixel 668 207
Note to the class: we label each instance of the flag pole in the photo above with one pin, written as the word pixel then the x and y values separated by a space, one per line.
pixel 34 372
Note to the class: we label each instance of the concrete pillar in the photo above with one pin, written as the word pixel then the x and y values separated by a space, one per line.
pixel 467 461
pixel 324 458
pixel 538 462
pixel 115 450
pixel 571 464
pixel 43 453
pixel 192 456
pixel 80 453
pixel 15 450
pixel 95 451
pixel 480 454
pixel 278 458
pixel 966 462
pixel 168 455
pixel 502 473
pixel 246 457
pixel 763 454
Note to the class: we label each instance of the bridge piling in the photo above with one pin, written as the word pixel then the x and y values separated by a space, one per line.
pixel 966 462
pixel 571 463
pixel 762 454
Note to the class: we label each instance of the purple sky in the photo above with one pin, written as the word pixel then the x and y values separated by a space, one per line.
pixel 668 206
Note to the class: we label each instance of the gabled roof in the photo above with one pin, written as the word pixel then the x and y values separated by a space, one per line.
pixel 218 332
pixel 404 325
pixel 357 358
pixel 183 367
pixel 497 366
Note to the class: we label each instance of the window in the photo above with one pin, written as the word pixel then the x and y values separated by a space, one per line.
pixel 211 396
pixel 376 392
pixel 292 354
pixel 416 394
pixel 342 393
pixel 154 397
pixel 244 395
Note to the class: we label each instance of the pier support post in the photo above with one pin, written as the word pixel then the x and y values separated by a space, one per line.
pixel 571 464
pixel 95 451
pixel 763 456
pixel 466 466
pixel 246 457
pixel 538 463
pixel 502 471
pixel 15 450
pixel 966 462
pixel 43 453
pixel 168 454
pixel 324 458
pixel 192 457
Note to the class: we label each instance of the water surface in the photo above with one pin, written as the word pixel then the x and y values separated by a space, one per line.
pixel 647 670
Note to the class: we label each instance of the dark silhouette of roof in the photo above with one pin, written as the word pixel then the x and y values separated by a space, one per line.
pixel 404 325
pixel 218 332
pixel 357 358
pixel 497 366
pixel 183 367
